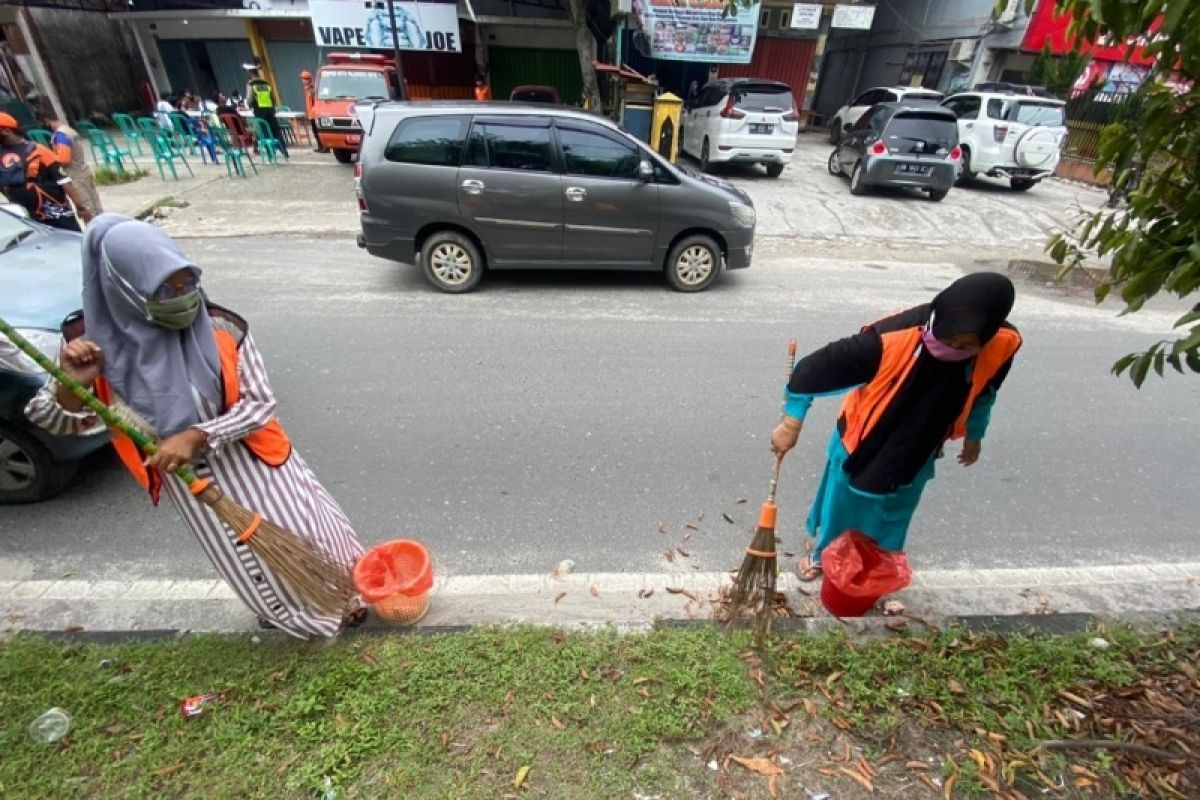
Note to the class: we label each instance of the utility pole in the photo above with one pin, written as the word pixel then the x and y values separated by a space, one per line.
pixel 391 6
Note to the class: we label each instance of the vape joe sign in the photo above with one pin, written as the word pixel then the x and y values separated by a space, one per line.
pixel 367 24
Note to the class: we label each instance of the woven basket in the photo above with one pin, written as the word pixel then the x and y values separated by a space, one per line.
pixel 401 609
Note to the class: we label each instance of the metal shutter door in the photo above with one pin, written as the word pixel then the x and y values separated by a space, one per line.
pixel 288 58
pixel 227 57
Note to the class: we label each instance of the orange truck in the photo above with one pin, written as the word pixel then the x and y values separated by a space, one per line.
pixel 343 80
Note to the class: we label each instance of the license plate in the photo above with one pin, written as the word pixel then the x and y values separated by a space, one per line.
pixel 756 127
pixel 912 169
pixel 353 138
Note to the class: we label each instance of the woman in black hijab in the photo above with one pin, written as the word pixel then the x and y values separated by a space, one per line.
pixel 915 380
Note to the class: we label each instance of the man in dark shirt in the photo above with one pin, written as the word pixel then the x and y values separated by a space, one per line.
pixel 31 176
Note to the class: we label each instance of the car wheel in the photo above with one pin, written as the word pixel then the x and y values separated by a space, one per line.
pixel 451 262
pixel 835 163
pixel 28 472
pixel 1022 184
pixel 857 186
pixel 835 129
pixel 964 174
pixel 343 156
pixel 938 195
pixel 774 170
pixel 704 156
pixel 693 264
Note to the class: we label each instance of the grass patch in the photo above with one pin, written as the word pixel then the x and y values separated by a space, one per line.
pixel 600 715
pixel 106 176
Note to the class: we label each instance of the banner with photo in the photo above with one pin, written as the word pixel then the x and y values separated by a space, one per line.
pixel 698 30
pixel 366 23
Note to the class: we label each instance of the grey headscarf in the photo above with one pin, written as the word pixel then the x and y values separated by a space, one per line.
pixel 154 370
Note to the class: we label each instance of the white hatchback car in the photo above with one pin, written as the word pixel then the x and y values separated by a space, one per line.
pixel 742 120
pixel 848 114
pixel 1009 135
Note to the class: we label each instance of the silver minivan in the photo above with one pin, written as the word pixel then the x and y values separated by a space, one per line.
pixel 463 187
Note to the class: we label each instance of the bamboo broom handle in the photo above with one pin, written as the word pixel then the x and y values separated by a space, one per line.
pixel 89 399
pixel 791 364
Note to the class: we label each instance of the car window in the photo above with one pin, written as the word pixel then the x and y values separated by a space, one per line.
pixel 995 108
pixel 865 120
pixel 502 146
pixel 935 131
pixel 763 97
pixel 436 141
pixel 965 107
pixel 880 119
pixel 864 99
pixel 886 96
pixel 712 96
pixel 1037 114
pixel 596 155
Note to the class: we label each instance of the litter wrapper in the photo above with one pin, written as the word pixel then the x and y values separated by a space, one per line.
pixel 399 567
pixel 858 572
pixel 199 705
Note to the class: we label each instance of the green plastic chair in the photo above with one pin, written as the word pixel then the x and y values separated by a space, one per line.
pixel 234 153
pixel 83 126
pixel 165 153
pixel 268 145
pixel 183 132
pixel 130 131
pixel 285 124
pixel 111 154
pixel 41 136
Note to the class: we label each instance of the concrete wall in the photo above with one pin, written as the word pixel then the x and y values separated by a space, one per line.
pixel 93 66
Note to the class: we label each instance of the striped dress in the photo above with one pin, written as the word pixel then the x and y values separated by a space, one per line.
pixel 288 495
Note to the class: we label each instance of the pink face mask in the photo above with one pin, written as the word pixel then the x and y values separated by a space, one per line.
pixel 944 352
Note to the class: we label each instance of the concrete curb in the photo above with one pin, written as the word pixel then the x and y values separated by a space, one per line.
pixel 627 601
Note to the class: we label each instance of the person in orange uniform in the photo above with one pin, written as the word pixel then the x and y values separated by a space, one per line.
pixel 68 147
pixel 482 90
pixel 916 380
pixel 310 101
pixel 31 176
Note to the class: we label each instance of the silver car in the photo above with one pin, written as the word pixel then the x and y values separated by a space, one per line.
pixel 896 144
pixel 461 187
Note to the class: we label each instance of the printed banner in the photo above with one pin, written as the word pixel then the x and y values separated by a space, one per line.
pixel 856 17
pixel 366 24
pixel 806 16
pixel 697 30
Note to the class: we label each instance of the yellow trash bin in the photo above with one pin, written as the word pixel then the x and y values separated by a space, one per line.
pixel 664 131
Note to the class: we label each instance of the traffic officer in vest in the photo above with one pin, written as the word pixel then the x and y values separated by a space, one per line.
pixel 261 99
pixel 188 373
pixel 915 380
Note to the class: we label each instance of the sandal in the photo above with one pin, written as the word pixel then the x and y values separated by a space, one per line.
pixel 355 618
pixel 808 571
pixel 266 624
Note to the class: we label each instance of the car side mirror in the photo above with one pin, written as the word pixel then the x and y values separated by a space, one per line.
pixel 645 172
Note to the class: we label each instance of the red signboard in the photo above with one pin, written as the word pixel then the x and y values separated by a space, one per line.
pixel 1047 27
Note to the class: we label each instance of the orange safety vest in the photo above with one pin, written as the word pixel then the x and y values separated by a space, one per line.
pixel 864 407
pixel 270 443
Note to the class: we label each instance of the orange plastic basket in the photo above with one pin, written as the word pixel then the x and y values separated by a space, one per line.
pixel 395 578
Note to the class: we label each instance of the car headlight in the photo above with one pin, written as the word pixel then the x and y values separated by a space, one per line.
pixel 13 360
pixel 743 213
pixel 325 122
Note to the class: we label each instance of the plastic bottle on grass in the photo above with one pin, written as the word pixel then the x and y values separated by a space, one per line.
pixel 50 727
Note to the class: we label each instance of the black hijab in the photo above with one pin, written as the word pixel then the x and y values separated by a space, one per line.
pixel 917 421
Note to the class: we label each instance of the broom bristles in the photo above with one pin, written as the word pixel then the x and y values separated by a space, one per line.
pixel 754 587
pixel 317 582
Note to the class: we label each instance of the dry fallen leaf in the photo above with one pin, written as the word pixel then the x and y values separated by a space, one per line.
pixel 169 770
pixel 670 554
pixel 662 527
pixel 691 526
pixel 645 593
pixel 522 775
pixel 683 552
pixel 73 628
pixel 763 766
pixel 810 707
pixel 675 590
pixel 858 778
pixel 955 686
pixel 559 596
pixel 948 787
pixel 916 765
pixel 741 501
pixel 557 723
pixel 727 518
pixel 893 608
pixel 595 592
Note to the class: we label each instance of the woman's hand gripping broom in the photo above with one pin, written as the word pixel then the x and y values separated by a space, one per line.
pixel 754 586
pixel 318 583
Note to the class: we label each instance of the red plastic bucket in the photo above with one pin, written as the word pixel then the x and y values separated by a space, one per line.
pixel 840 604
pixel 395 578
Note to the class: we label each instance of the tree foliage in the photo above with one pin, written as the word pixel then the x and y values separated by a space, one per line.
pixel 1153 244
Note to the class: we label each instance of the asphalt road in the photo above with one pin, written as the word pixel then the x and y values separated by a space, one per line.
pixel 553 416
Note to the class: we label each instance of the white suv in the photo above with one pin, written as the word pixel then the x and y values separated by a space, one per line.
pixel 744 120
pixel 848 114
pixel 1009 135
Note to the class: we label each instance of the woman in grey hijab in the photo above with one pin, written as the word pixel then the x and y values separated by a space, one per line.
pixel 188 373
